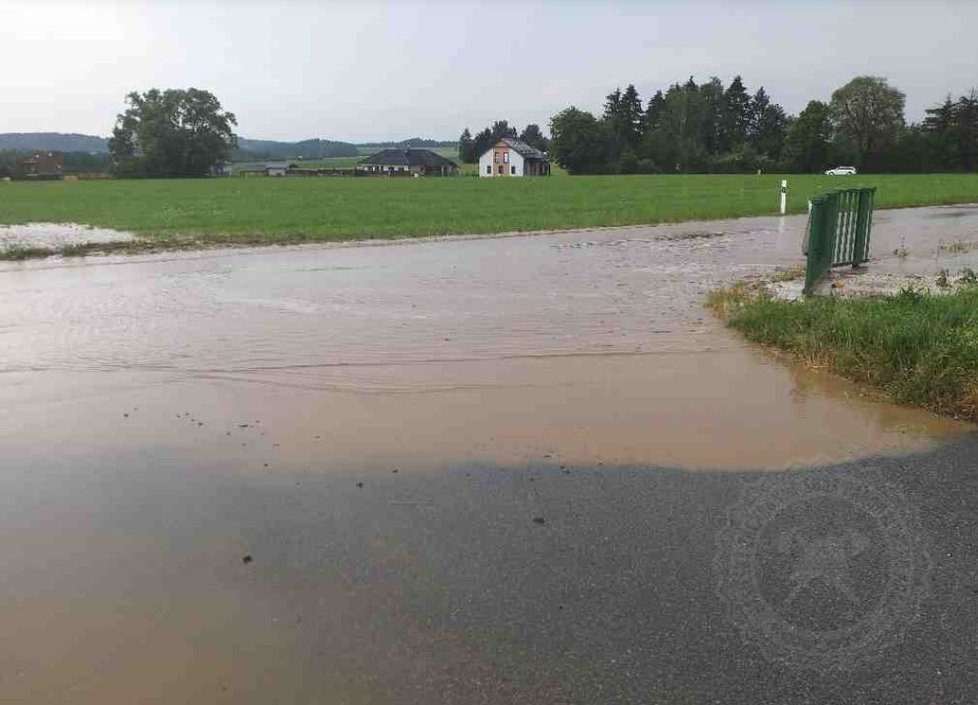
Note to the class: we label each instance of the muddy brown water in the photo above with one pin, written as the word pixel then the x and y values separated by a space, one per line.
pixel 139 395
pixel 587 346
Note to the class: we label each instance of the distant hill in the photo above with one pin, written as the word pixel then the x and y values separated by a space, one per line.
pixel 251 150
pixel 415 142
pixel 307 149
pixel 53 142
pixel 248 149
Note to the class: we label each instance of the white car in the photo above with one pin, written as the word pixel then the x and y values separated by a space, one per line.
pixel 841 171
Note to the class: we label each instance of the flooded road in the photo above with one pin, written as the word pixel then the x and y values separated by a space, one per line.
pixel 315 474
pixel 591 347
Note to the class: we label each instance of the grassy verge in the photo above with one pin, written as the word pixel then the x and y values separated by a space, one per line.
pixel 918 349
pixel 213 212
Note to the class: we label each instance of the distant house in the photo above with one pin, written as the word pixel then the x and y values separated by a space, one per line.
pixel 407 162
pixel 42 165
pixel 510 157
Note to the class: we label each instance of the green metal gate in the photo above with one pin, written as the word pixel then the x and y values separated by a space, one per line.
pixel 838 232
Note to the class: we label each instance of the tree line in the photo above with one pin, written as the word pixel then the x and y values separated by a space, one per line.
pixel 471 148
pixel 708 127
pixel 711 127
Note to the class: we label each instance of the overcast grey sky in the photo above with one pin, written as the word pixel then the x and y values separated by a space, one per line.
pixel 358 71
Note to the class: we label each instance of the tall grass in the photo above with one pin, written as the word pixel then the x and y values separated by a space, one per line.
pixel 919 349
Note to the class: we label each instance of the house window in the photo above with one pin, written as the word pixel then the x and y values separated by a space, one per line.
pixel 499 169
pixel 495 157
pixel 489 168
pixel 505 157
pixel 512 170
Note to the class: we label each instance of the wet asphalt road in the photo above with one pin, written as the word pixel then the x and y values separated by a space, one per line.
pixel 542 584
pixel 618 597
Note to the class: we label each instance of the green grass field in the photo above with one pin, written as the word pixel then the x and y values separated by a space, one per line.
pixel 919 349
pixel 200 213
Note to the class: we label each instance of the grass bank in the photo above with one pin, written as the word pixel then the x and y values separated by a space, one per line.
pixel 265 211
pixel 918 349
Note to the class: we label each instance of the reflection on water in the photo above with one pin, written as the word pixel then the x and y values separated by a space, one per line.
pixel 163 417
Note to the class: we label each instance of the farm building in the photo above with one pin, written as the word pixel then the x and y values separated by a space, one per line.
pixel 42 165
pixel 269 169
pixel 407 162
pixel 510 157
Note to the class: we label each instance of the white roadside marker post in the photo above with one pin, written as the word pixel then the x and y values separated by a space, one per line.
pixel 784 195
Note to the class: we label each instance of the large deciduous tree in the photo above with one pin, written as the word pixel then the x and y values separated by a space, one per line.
pixel 580 142
pixel 807 144
pixel 680 128
pixel 171 133
pixel 869 112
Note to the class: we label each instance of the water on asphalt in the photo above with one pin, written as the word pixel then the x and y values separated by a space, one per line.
pixel 486 470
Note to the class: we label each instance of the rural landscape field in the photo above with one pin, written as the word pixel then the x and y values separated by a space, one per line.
pixel 399 352
pixel 180 213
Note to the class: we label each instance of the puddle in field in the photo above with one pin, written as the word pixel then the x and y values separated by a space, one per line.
pixel 163 417
pixel 924 241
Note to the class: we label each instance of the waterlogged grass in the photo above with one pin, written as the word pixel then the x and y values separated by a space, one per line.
pixel 251 211
pixel 918 349
pixel 18 252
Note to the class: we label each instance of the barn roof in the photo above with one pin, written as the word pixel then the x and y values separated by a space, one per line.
pixel 408 157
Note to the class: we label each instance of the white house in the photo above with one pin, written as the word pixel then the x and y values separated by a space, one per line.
pixel 510 157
